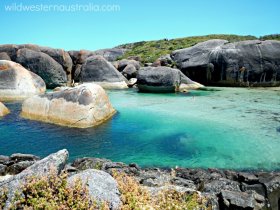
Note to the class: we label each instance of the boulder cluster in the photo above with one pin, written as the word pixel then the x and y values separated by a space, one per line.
pixel 223 189
pixel 26 71
pixel 244 63
pixel 57 67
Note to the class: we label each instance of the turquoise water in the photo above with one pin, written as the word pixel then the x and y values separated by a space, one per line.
pixel 224 128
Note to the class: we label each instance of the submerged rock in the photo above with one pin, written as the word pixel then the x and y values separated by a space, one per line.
pixel 218 62
pixel 53 163
pixel 82 106
pixel 3 110
pixel 163 79
pixel 98 70
pixel 101 185
pixel 18 83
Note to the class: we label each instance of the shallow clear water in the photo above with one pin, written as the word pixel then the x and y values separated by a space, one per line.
pixel 230 128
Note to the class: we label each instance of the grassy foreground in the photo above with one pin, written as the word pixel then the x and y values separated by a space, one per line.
pixel 149 51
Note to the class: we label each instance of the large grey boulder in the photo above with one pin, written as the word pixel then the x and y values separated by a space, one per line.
pixel 52 163
pixel 218 62
pixel 158 79
pixel 98 70
pixel 161 79
pixel 16 82
pixel 44 65
pixel 101 185
pixel 62 57
pixel 83 106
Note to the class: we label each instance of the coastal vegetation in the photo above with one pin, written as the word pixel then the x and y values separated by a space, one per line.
pixel 149 51
pixel 53 192
pixel 135 196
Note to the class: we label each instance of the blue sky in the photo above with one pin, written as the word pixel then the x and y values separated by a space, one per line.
pixel 135 21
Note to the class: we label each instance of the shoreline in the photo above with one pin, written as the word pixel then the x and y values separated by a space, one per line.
pixel 220 187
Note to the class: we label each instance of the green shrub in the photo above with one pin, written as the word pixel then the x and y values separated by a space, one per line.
pixel 3 197
pixel 52 192
pixel 271 37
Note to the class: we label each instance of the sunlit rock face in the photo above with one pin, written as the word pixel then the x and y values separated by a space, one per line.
pixel 18 83
pixel 3 110
pixel 218 62
pixel 82 106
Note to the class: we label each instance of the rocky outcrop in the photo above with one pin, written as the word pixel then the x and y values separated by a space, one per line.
pixel 82 106
pixel 164 60
pixel 129 72
pixel 225 189
pixel 162 79
pixel 122 64
pixel 96 69
pixel 3 110
pixel 18 83
pixel 218 62
pixel 43 65
pixel 101 185
pixel 80 57
pixel 57 67
pixel 53 65
pixel 222 189
pixel 53 163
pixel 16 163
pixel 241 200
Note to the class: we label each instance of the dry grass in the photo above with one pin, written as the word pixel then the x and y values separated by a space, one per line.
pixel 52 193
pixel 136 197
